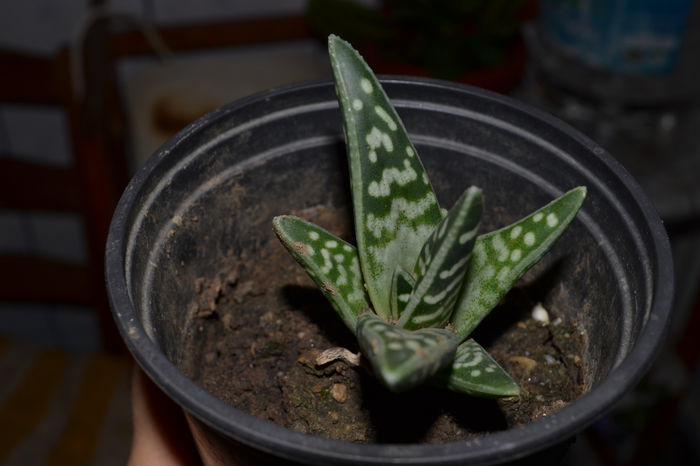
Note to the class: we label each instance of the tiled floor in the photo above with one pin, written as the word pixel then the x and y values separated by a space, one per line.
pixel 63 408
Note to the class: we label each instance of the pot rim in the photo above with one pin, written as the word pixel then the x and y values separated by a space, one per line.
pixel 503 445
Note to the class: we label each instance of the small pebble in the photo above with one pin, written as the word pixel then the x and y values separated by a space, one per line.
pixel 227 321
pixel 549 359
pixel 245 288
pixel 540 314
pixel 316 389
pixel 339 392
pixel 527 363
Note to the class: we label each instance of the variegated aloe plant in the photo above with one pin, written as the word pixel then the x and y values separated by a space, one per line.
pixel 420 279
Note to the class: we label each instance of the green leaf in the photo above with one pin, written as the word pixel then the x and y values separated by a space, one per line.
pixel 475 372
pixel 401 287
pixel 394 204
pixel 402 359
pixel 500 258
pixel 331 262
pixel 442 265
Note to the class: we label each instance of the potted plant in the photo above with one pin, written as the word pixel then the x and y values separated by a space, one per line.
pixel 419 281
pixel 191 234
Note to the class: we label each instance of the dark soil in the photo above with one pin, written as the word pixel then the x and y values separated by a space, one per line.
pixel 259 326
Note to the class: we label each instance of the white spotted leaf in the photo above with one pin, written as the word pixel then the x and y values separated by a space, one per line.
pixel 331 262
pixel 501 257
pixel 476 373
pixel 401 287
pixel 394 204
pixel 401 358
pixel 442 265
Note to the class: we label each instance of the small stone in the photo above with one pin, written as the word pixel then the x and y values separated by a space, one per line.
pixel 271 349
pixel 339 392
pixel 335 417
pixel 268 318
pixel 540 314
pixel 527 363
pixel 227 321
pixel 204 313
pixel 316 389
pixel 245 288
pixel 521 325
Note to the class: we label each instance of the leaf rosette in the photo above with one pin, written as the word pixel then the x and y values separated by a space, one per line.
pixel 420 279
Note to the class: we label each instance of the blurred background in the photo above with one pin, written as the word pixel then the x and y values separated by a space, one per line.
pixel 90 88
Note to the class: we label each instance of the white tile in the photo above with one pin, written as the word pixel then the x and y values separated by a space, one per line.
pixel 76 329
pixel 63 327
pixel 36 134
pixel 29 323
pixel 39 26
pixel 12 238
pixel 59 236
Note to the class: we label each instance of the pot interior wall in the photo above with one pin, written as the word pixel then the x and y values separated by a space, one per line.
pixel 210 199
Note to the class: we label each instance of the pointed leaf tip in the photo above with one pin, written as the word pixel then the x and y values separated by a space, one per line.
pixel 332 263
pixel 401 288
pixel 442 264
pixel 402 359
pixel 394 204
pixel 501 257
pixel 476 373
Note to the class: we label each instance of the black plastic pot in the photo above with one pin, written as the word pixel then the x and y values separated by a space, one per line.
pixel 213 188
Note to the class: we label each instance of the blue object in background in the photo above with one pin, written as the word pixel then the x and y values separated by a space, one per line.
pixel 631 36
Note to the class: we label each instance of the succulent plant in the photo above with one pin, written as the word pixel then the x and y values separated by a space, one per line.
pixel 421 278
